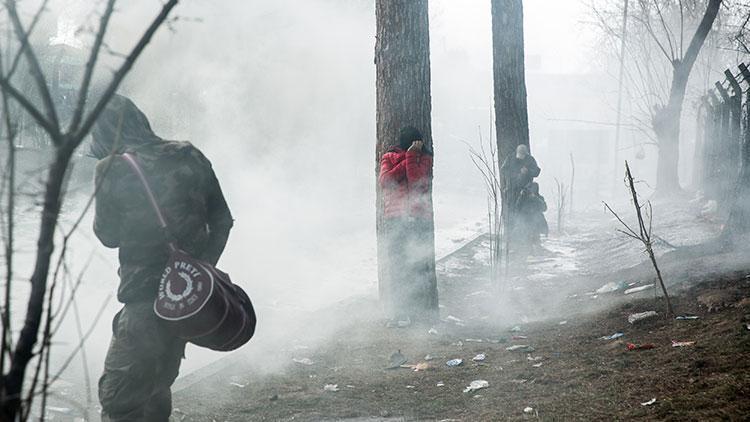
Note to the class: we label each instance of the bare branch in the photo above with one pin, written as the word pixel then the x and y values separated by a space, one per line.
pixel 90 65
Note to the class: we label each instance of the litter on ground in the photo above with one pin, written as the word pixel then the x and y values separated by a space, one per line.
pixel 649 403
pixel 638 289
pixel 686 317
pixel 396 360
pixel 612 337
pixel 303 361
pixel 520 348
pixel 476 385
pixel 633 318
pixel 331 387
pixel 682 343
pixel 454 362
pixel 479 358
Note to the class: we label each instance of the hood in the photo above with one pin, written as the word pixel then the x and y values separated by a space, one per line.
pixel 122 124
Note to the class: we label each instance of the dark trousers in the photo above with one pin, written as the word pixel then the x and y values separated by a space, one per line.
pixel 142 363
pixel 408 268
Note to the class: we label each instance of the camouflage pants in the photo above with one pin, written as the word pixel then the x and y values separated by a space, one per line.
pixel 142 363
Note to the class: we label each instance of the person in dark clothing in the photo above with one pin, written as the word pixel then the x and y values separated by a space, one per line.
pixel 516 173
pixel 405 177
pixel 144 358
pixel 531 209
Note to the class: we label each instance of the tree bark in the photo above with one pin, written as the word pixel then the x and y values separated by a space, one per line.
pixel 666 119
pixel 402 63
pixel 511 114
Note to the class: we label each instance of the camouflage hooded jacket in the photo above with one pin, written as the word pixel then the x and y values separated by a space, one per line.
pixel 186 189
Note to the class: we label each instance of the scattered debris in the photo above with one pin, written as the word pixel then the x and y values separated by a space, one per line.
pixel 649 403
pixel 303 361
pixel 612 287
pixel 528 410
pixel 454 362
pixel 429 357
pixel 515 329
pixel 458 343
pixel 645 346
pixel 533 358
pixel 411 387
pixel 331 387
pixel 682 343
pixel 422 366
pixel 639 289
pixel 562 322
pixel 63 410
pixel 479 358
pixel 476 385
pixel 520 348
pixel 238 385
pixel 612 337
pixel 432 331
pixel 403 323
pixel 474 340
pixel 440 384
pixel 396 360
pixel 519 338
pixel 686 317
pixel 633 318
pixel 538 365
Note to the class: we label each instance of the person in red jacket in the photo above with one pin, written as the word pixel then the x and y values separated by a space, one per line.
pixel 405 178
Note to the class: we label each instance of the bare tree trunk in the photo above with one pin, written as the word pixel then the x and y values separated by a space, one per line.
pixel 402 62
pixel 666 119
pixel 511 114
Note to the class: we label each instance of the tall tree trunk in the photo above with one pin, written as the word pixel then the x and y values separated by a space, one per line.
pixel 666 119
pixel 511 115
pixel 402 62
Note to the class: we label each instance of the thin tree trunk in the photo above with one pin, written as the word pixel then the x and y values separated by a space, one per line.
pixel 13 381
pixel 402 62
pixel 666 120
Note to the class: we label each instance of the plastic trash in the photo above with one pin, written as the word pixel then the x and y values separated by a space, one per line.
pixel 432 331
pixel 331 387
pixel 519 338
pixel 612 337
pixel 476 385
pixel 396 360
pixel 520 348
pixel 562 322
pixel 538 365
pixel 422 366
pixel 638 289
pixel 633 318
pixel 238 385
pixel 474 340
pixel 682 343
pixel 528 410
pixel 479 358
pixel 612 287
pixel 303 361
pixel 687 317
pixel 533 358
pixel 440 384
pixel 454 362
pixel 645 346
pixel 649 403
pixel 411 387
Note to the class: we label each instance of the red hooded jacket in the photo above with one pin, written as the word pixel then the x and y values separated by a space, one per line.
pixel 405 181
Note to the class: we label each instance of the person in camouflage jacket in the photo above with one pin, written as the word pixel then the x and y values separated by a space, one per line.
pixel 144 358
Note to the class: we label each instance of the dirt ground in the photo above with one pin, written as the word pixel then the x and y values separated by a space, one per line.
pixel 571 374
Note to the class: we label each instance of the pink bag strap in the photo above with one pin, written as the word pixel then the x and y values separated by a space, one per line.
pixel 149 193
